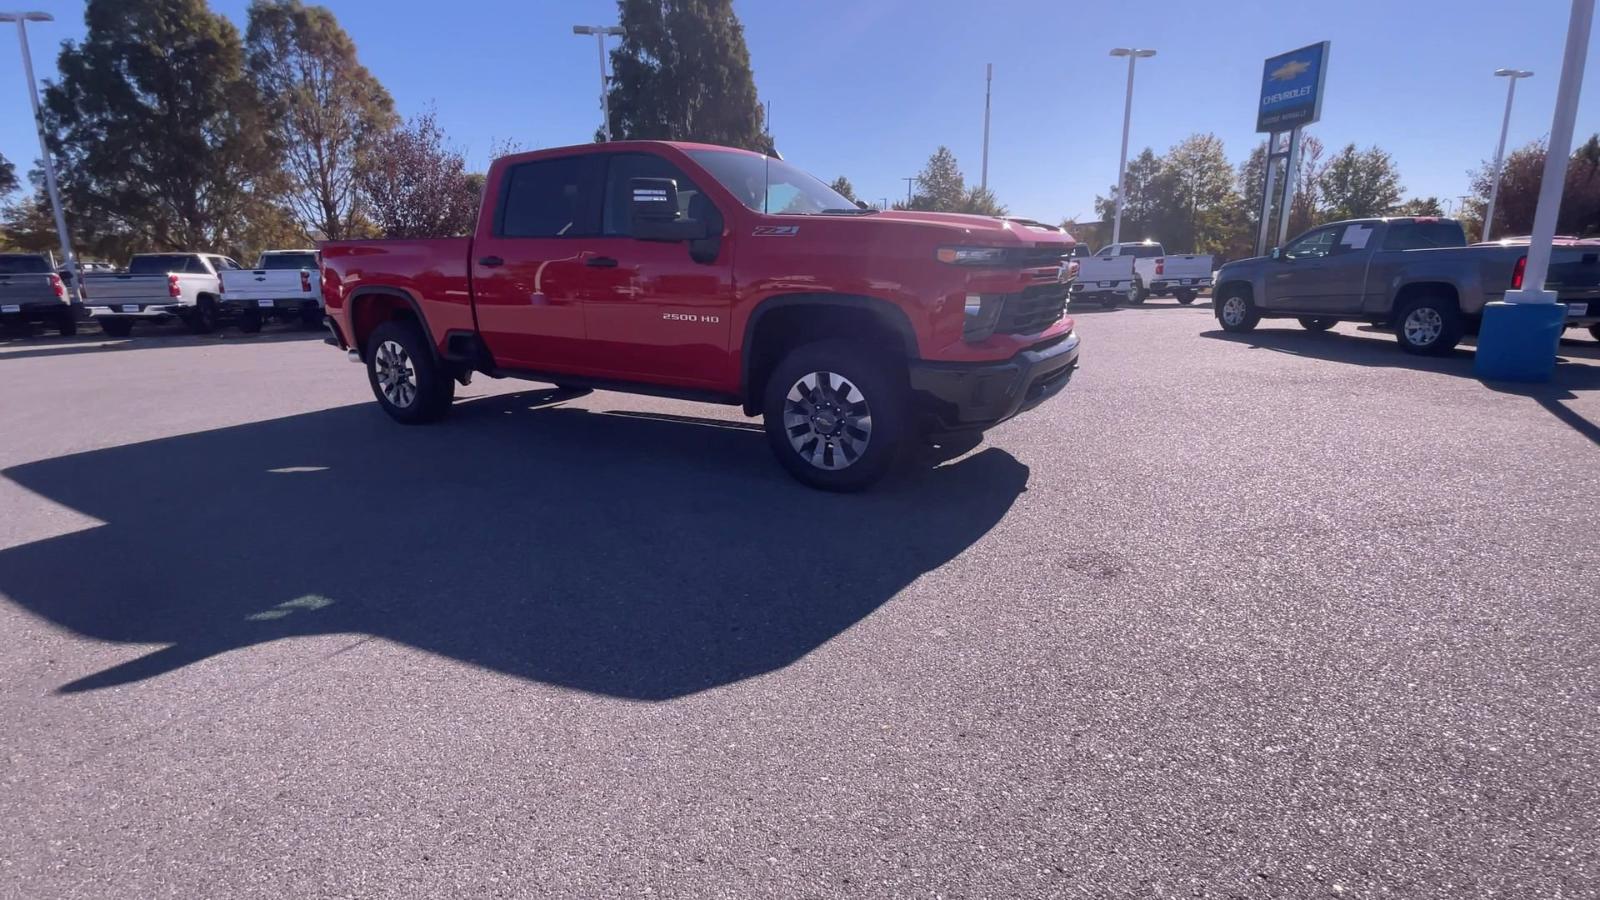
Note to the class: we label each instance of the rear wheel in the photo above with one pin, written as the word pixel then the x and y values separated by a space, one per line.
pixel 311 317
pixel 1185 296
pixel 1428 325
pixel 1594 332
pixel 250 321
pixel 119 328
pixel 203 318
pixel 1236 313
pixel 836 415
pixel 408 382
pixel 67 326
pixel 1137 295
pixel 1317 323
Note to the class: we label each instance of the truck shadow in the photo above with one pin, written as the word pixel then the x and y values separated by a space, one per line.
pixel 616 554
pixel 1376 348
pixel 152 338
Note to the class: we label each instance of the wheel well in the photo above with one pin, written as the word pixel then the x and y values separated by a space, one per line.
pixel 1229 288
pixel 1410 292
pixel 781 329
pixel 373 309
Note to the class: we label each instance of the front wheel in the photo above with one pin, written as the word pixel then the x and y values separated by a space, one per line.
pixel 1185 297
pixel 1317 323
pixel 1237 314
pixel 408 382
pixel 1430 325
pixel 836 416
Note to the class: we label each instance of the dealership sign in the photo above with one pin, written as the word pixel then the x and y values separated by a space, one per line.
pixel 1291 89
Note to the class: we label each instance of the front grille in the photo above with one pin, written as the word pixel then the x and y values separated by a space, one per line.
pixel 1033 310
pixel 1042 255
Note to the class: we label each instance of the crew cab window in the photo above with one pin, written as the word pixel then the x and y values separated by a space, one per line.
pixel 276 261
pixel 161 264
pixel 1315 245
pixel 1422 235
pixel 547 198
pixel 617 219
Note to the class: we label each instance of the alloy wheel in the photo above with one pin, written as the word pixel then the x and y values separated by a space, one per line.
pixel 1423 326
pixel 1234 310
pixel 397 377
pixel 827 419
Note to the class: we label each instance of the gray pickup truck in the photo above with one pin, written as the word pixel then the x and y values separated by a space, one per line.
pixel 1416 275
pixel 31 292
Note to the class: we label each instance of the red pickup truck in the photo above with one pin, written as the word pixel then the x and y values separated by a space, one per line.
pixel 720 275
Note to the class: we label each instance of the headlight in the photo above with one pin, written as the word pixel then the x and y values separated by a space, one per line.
pixel 972 256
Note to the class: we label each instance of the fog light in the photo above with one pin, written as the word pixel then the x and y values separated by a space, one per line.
pixel 982 313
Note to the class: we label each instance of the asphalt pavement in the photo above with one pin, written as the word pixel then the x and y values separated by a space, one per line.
pixel 1276 615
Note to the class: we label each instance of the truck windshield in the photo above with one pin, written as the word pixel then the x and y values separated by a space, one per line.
pixel 23 264
pixel 287 261
pixel 157 264
pixel 771 185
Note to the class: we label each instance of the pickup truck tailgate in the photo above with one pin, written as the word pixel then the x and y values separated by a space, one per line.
pixel 113 290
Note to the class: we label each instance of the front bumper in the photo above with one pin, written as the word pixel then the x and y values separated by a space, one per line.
pixel 955 397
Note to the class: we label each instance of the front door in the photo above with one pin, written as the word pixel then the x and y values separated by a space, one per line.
pixel 652 311
pixel 529 270
pixel 1301 279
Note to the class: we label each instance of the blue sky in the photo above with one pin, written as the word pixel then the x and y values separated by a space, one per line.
pixel 868 88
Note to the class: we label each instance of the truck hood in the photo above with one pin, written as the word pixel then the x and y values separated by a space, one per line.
pixel 984 229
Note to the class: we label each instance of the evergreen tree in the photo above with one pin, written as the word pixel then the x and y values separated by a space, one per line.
pixel 325 106
pixel 682 73
pixel 8 176
pixel 940 185
pixel 844 187
pixel 163 141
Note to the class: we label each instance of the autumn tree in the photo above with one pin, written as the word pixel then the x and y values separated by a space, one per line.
pixel 682 72
pixel 325 106
pixel 415 185
pixel 8 176
pixel 1202 202
pixel 164 143
pixel 1521 176
pixel 1358 184
pixel 1419 206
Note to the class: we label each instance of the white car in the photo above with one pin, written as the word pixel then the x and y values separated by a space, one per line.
pixel 1183 276
pixel 285 284
pixel 157 287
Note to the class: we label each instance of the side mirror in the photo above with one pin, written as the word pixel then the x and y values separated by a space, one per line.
pixel 654 212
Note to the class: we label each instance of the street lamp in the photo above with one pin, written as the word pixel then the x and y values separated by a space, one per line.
pixel 1500 151
pixel 600 32
pixel 1133 55
pixel 22 19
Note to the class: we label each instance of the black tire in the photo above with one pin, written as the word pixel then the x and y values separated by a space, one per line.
pixel 117 328
pixel 1140 295
pixel 430 388
pixel 1236 313
pixel 250 321
pixel 574 390
pixel 67 326
pixel 1185 297
pixel 1436 329
pixel 1109 301
pixel 1317 323
pixel 846 370
pixel 1594 332
pixel 203 318
pixel 311 318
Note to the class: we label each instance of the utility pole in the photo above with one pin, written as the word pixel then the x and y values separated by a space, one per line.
pixel 909 182
pixel 71 262
pixel 1134 55
pixel 1500 150
pixel 988 85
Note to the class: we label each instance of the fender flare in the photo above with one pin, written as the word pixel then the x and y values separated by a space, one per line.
pixel 351 304
pixel 887 312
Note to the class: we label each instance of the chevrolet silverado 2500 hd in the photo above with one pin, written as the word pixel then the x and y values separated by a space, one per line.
pixel 1416 275
pixel 722 275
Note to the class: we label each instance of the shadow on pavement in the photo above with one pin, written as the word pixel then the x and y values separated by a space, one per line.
pixel 1381 351
pixel 95 342
pixel 629 556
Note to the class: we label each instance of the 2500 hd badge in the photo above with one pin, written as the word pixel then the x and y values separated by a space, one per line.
pixel 690 317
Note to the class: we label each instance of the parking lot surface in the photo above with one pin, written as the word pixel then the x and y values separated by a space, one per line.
pixel 1273 615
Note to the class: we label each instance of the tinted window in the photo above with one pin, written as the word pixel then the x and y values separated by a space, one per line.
pixel 162 263
pixel 1421 235
pixel 1142 251
pixel 23 264
pixel 287 261
pixel 623 168
pixel 546 198
pixel 1315 245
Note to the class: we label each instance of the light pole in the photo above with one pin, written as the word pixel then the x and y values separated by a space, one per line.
pixel 988 84
pixel 22 19
pixel 1500 150
pixel 1133 55
pixel 600 32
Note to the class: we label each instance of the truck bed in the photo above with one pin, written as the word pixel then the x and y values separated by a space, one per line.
pixel 432 271
pixel 26 290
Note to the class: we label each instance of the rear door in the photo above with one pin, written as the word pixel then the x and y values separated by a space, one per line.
pixel 651 311
pixel 530 263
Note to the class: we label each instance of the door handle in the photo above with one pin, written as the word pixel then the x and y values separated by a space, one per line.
pixel 490 261
pixel 600 262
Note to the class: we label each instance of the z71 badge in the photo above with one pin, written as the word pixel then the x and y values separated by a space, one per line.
pixel 776 230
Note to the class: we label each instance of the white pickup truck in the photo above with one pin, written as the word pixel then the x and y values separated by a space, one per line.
pixel 1183 276
pixel 157 287
pixel 1106 280
pixel 285 284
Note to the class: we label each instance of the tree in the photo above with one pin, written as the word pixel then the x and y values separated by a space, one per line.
pixel 1358 184
pixel 1419 206
pixel 416 186
pixel 981 201
pixel 942 188
pixel 323 103
pixel 1148 192
pixel 844 187
pixel 1518 200
pixel 28 224
pixel 1307 197
pixel 163 141
pixel 682 72
pixel 8 176
pixel 1202 203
